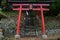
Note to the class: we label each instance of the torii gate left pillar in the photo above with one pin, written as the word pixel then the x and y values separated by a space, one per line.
pixel 41 9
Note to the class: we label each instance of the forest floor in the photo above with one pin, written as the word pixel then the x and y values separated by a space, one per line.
pixel 50 37
pixel 51 23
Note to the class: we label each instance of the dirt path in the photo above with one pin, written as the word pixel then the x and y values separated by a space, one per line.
pixel 50 37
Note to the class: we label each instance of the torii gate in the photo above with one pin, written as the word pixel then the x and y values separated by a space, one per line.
pixel 41 9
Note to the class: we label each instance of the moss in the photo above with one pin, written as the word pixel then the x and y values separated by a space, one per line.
pixel 3 14
pixel 58 15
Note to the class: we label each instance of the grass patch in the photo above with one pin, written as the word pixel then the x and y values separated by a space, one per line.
pixel 3 14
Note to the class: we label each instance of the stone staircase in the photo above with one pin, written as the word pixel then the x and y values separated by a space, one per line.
pixel 29 27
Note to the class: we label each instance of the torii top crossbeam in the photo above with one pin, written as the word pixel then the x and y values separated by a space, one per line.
pixel 30 2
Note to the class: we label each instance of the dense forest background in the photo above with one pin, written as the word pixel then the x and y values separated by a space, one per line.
pixel 54 6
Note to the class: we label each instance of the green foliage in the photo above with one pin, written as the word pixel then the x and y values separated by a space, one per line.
pixel 56 3
pixel 3 14
pixel 3 2
pixel 53 7
pixel 13 27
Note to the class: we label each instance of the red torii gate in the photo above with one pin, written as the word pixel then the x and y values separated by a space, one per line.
pixel 41 9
